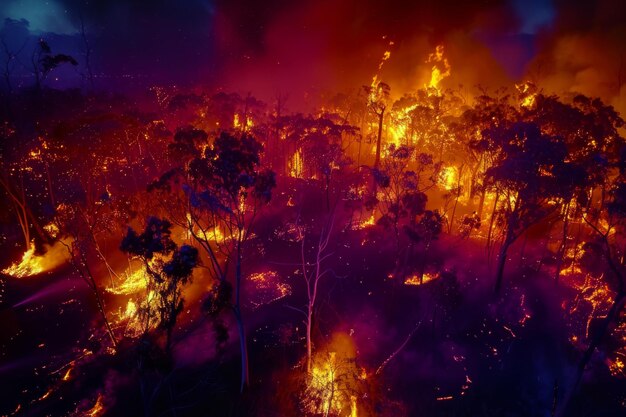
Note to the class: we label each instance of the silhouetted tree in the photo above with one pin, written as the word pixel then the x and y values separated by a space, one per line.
pixel 531 173
pixel 401 198
pixel 216 195
pixel 319 142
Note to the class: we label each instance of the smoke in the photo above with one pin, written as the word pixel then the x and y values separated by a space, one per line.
pixel 302 49
pixel 583 51
pixel 322 46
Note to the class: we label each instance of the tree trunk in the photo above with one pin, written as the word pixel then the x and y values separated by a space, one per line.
pixel 522 252
pixel 309 347
pixel 491 221
pixel 502 260
pixel 481 204
pixel 381 116
pixel 562 247
pixel 243 347
pixel 104 316
pixel 456 200
pixel 423 266
pixel 612 315
pixel 245 377
pixel 168 342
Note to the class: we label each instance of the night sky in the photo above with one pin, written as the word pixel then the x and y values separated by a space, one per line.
pixel 274 45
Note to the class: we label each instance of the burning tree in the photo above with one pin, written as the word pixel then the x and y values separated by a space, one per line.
pixel 317 146
pixel 608 223
pixel 590 130
pixel 378 96
pixel 168 268
pixel 336 384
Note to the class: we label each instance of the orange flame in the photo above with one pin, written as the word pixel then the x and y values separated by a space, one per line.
pixel 440 70
pixel 32 264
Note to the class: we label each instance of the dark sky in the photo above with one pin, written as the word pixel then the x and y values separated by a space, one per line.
pixel 316 44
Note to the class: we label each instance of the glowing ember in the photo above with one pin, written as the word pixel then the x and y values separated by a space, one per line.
pixel 268 288
pixel 45 395
pixel 52 229
pixel 593 301
pixel 67 375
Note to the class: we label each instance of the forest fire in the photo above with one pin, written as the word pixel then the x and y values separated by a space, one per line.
pixel 335 210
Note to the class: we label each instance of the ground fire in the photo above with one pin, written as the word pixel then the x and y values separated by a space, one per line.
pixel 316 208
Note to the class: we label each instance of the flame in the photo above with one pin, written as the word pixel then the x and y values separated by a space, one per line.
pixel 616 366
pixel 52 229
pixel 237 123
pixel 370 221
pixel 295 164
pixel 527 92
pixel 573 256
pixel 440 70
pixel 137 316
pixel 97 409
pixel 353 407
pixel 242 203
pixel 335 379
pixel 415 279
pixel 449 177
pixel 131 309
pixel 374 95
pixel 324 380
pixel 215 234
pixel 134 282
pixel 218 236
pixel 67 375
pixel 33 264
